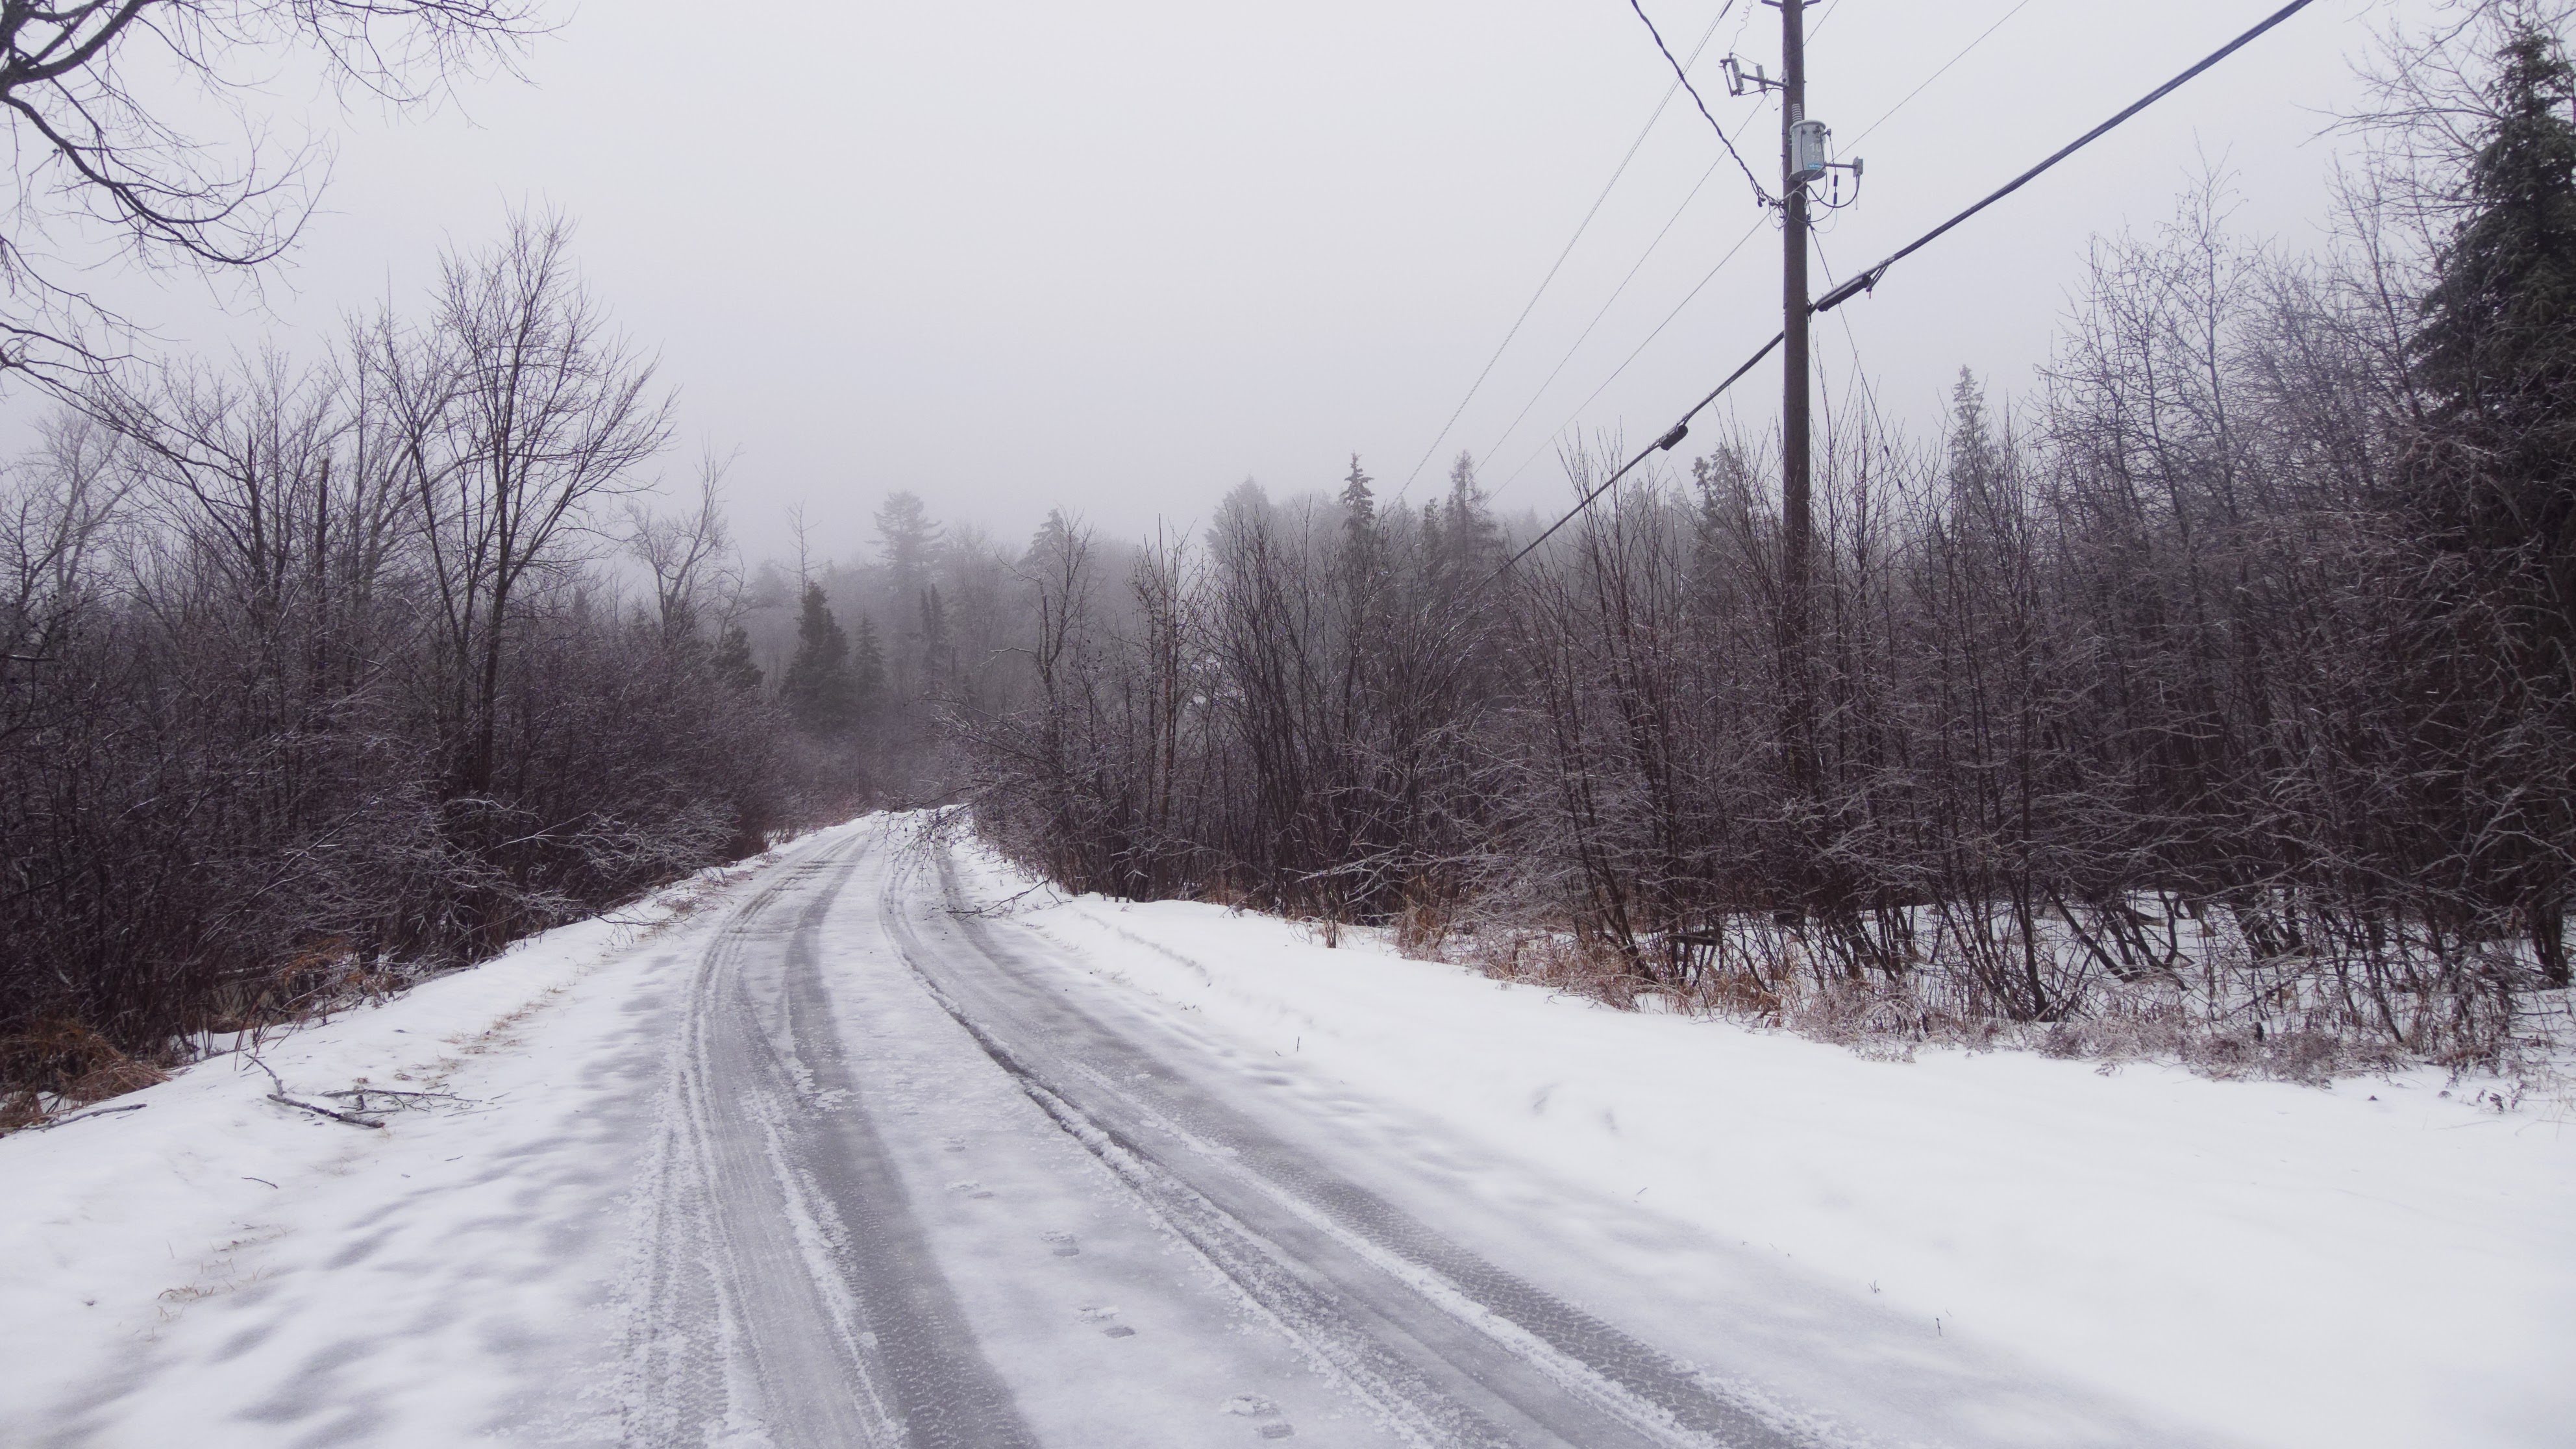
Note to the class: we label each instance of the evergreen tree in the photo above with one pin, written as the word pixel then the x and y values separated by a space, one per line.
pixel 867 667
pixel 938 672
pixel 733 662
pixel 1972 447
pixel 1359 523
pixel 1470 545
pixel 819 689
pixel 2496 485
pixel 2496 348
pixel 1359 503
pixel 907 540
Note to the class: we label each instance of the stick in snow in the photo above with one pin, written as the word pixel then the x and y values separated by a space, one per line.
pixel 85 1116
pixel 352 1120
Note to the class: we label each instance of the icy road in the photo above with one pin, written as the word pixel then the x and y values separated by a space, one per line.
pixel 859 1156
pixel 928 1195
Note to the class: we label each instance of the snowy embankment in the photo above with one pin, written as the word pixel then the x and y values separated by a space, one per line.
pixel 2389 1261
pixel 211 1267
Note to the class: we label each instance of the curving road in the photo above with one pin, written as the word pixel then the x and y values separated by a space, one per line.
pixel 920 1185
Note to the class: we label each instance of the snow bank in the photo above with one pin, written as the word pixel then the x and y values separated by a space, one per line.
pixel 2383 1262
pixel 212 1268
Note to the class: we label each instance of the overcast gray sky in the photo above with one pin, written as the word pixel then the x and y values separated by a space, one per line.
pixel 1119 256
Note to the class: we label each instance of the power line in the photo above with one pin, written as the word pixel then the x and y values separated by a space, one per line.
pixel 1863 281
pixel 1615 294
pixel 1665 444
pixel 1866 280
pixel 1936 75
pixel 1860 369
pixel 1682 77
pixel 1638 351
pixel 1919 88
pixel 1559 265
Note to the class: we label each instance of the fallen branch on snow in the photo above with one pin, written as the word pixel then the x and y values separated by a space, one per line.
pixel 349 1117
pixel 85 1116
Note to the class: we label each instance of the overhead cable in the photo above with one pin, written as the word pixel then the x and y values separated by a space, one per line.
pixel 1636 352
pixel 1615 294
pixel 1924 85
pixel 1936 75
pixel 1589 327
pixel 1558 266
pixel 1682 77
pixel 1670 440
pixel 1865 280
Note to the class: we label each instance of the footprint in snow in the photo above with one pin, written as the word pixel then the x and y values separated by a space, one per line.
pixel 1064 1244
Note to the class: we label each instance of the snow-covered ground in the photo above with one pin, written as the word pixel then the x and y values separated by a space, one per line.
pixel 2391 1261
pixel 2374 1264
pixel 213 1262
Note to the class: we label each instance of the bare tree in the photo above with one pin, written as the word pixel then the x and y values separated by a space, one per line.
pixel 104 140
pixel 518 411
pixel 690 555
pixel 52 519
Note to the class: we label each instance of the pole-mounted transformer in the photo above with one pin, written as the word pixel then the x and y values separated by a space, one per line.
pixel 1810 151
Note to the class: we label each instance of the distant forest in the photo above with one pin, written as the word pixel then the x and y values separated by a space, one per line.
pixel 2215 696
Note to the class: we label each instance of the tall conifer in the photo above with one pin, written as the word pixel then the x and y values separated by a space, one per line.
pixel 819 689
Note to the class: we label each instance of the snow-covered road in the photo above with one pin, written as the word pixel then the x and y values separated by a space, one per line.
pixel 924 1198
pixel 862 1156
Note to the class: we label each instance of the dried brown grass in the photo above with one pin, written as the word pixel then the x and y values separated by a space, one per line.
pixel 57 1065
pixel 1771 980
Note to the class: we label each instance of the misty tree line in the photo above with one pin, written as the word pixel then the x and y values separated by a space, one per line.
pixel 869 655
pixel 2230 671
pixel 2227 676
pixel 312 678
pixel 318 678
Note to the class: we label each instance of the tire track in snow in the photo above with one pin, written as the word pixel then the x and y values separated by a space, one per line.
pixel 1454 1349
pixel 791 1302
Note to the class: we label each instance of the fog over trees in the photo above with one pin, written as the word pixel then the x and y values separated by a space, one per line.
pixel 2215 693
pixel 2218 690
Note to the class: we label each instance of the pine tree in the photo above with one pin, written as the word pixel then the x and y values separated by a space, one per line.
pixel 2496 348
pixel 938 666
pixel 1359 523
pixel 819 689
pixel 1359 503
pixel 1470 544
pixel 1972 448
pixel 867 667
pixel 733 662
pixel 907 540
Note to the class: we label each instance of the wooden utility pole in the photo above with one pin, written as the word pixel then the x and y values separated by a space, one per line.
pixel 1796 514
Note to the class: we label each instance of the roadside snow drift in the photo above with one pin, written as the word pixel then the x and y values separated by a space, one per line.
pixel 2391 1261
pixel 214 1268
